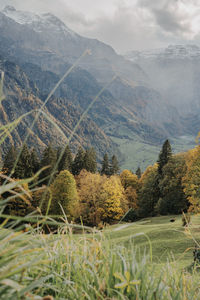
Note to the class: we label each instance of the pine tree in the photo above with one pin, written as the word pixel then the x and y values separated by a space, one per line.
pixel 164 156
pixel 48 159
pixel 20 205
pixel 35 163
pixel 9 161
pixel 78 162
pixel 24 168
pixel 66 159
pixel 90 163
pixel 105 169
pixel 114 168
pixel 138 173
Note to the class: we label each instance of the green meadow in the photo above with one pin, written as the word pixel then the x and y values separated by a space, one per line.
pixel 138 153
pixel 170 241
pixel 148 259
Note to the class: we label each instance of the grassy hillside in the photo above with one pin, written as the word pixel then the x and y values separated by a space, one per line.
pixel 138 153
pixel 169 240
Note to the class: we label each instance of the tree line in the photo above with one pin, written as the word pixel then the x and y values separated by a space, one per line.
pixel 170 186
pixel 57 160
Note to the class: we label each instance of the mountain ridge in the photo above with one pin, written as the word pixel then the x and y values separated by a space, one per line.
pixel 132 108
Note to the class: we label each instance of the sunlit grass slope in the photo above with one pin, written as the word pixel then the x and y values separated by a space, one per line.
pixel 138 153
pixel 169 240
pixel 116 263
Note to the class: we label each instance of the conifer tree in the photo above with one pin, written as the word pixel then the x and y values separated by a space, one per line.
pixel 9 161
pixel 20 205
pixel 66 159
pixel 138 173
pixel 48 159
pixel 147 196
pixel 90 163
pixel 24 168
pixel 164 156
pixel 105 169
pixel 114 168
pixel 78 162
pixel 35 163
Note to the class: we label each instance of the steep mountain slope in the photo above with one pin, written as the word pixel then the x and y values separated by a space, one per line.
pixel 22 95
pixel 49 43
pixel 50 39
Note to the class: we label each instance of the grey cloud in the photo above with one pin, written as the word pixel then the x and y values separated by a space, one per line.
pixel 125 30
pixel 167 15
pixel 141 24
pixel 170 21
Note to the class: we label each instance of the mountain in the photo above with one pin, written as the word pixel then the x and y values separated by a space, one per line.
pixel 171 52
pixel 133 114
pixel 175 73
pixel 45 39
pixel 22 95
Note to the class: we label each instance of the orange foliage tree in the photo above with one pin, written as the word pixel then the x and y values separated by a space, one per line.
pixel 130 183
pixel 102 198
pixel 113 200
pixel 191 180
pixel 89 189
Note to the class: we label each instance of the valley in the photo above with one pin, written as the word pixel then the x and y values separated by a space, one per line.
pixel 149 101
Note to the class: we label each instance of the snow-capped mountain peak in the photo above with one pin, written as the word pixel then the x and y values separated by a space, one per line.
pixel 171 52
pixel 20 17
pixel 38 22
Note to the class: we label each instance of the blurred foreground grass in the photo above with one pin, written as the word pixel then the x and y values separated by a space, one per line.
pixel 113 264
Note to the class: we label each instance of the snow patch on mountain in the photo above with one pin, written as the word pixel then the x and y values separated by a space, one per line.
pixel 171 52
pixel 38 22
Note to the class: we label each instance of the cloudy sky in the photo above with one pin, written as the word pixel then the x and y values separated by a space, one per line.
pixel 125 24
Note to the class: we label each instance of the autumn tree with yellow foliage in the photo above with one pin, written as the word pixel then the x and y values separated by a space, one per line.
pixel 113 200
pixel 89 190
pixel 130 183
pixel 102 198
pixel 64 195
pixel 191 180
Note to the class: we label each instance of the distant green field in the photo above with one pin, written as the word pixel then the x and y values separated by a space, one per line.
pixel 137 153
pixel 168 240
